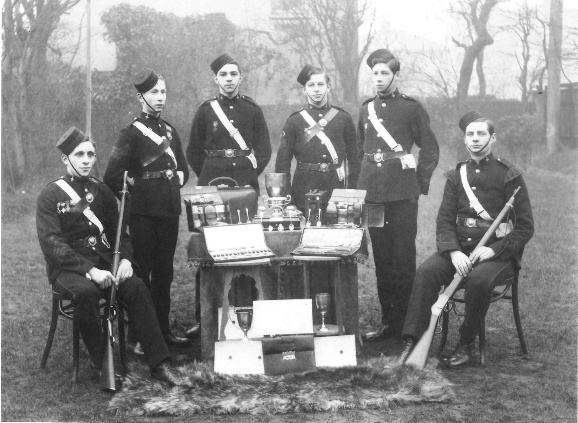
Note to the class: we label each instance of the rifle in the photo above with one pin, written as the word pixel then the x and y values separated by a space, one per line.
pixel 418 355
pixel 107 379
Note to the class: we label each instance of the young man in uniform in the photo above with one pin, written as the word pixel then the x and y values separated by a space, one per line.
pixel 475 193
pixel 320 136
pixel 229 136
pixel 151 151
pixel 76 219
pixel 390 124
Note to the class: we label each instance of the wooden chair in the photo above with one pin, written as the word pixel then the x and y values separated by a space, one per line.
pixel 62 306
pixel 499 294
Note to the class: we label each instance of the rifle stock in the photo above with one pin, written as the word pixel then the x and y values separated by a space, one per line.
pixel 107 379
pixel 418 355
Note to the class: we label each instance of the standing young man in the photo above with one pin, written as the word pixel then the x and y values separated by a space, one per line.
pixel 390 124
pixel 150 149
pixel 475 193
pixel 229 136
pixel 321 137
pixel 76 219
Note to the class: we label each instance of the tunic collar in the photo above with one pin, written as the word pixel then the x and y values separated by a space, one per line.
pixel 392 94
pixel 326 107
pixel 150 117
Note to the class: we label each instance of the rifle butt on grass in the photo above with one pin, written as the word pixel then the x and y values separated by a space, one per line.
pixel 418 355
pixel 107 379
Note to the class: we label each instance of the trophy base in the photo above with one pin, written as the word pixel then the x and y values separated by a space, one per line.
pixel 281 223
pixel 332 330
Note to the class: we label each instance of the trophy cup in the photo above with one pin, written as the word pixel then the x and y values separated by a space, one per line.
pixel 322 301
pixel 245 318
pixel 277 185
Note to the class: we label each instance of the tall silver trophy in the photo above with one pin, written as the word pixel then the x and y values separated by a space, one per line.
pixel 277 197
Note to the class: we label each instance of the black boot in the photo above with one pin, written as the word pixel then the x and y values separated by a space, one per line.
pixel 408 344
pixel 461 355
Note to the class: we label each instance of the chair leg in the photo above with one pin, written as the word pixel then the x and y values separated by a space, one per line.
pixel 52 330
pixel 445 325
pixel 482 341
pixel 516 309
pixel 121 340
pixel 75 350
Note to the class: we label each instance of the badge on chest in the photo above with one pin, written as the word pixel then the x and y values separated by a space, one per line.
pixel 63 207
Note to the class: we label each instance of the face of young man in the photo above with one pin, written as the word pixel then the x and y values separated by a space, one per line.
pixel 79 163
pixel 154 100
pixel 478 139
pixel 228 79
pixel 384 80
pixel 316 90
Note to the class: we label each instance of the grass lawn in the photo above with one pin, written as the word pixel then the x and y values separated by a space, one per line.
pixel 509 388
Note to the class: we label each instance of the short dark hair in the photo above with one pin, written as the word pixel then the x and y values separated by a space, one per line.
pixel 317 71
pixel 389 59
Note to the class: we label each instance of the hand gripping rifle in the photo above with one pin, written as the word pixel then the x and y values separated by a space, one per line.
pixel 418 356
pixel 107 380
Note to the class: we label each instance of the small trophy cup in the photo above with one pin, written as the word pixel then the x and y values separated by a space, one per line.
pixel 322 301
pixel 245 318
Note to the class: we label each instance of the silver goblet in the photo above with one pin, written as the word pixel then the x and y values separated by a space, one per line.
pixel 322 300
pixel 245 318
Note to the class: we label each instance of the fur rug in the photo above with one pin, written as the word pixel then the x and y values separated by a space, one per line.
pixel 376 383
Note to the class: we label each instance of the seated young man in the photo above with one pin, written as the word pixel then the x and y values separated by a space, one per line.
pixel 76 220
pixel 461 223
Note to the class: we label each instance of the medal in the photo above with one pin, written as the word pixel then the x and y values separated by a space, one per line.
pixel 89 197
pixel 169 133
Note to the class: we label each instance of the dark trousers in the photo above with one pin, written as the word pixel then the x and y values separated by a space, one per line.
pixel 479 285
pixel 394 255
pixel 134 294
pixel 154 240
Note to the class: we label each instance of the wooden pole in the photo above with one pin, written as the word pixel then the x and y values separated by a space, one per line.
pixel 88 74
pixel 554 66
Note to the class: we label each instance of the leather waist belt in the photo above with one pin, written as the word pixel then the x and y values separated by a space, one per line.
pixel 319 167
pixel 168 174
pixel 472 222
pixel 89 241
pixel 228 153
pixel 381 157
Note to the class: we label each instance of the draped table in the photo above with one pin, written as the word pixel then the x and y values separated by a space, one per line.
pixel 283 277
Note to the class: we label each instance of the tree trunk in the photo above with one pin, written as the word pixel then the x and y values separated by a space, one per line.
pixel 480 73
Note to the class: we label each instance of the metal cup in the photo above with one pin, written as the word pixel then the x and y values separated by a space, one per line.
pixel 277 184
pixel 322 300
pixel 245 319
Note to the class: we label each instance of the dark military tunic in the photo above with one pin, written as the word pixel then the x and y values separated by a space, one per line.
pixel 340 130
pixel 59 224
pixel 493 182
pixel 408 123
pixel 156 204
pixel 208 133
pixel 63 232
pixel 150 197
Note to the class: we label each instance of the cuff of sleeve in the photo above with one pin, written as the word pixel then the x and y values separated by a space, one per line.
pixel 446 247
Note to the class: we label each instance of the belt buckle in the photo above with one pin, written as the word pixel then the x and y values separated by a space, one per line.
pixel 471 222
pixel 169 173
pixel 92 241
pixel 378 157
pixel 323 167
pixel 229 152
